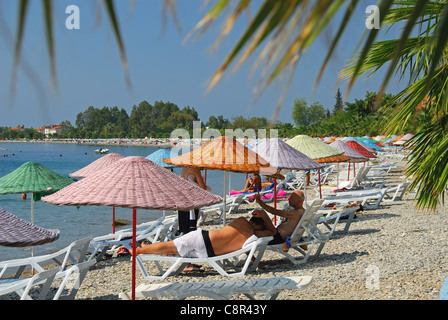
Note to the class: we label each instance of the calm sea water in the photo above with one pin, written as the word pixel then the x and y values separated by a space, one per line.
pixel 76 223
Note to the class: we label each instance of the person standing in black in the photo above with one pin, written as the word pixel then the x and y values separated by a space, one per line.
pixel 188 219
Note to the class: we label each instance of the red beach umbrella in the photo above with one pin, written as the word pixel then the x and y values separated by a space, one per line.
pixel 360 149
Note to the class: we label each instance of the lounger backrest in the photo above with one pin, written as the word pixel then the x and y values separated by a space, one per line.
pixel 306 220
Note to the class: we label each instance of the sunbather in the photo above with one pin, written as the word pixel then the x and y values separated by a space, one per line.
pixel 202 243
pixel 292 214
pixel 252 184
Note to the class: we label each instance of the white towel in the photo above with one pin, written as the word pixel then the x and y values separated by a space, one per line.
pixel 251 239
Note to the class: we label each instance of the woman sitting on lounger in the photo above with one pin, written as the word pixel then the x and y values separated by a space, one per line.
pixel 252 184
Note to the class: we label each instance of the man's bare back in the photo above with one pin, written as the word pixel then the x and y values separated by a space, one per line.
pixel 225 240
pixel 231 237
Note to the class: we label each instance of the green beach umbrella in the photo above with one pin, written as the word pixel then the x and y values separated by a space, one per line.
pixel 314 149
pixel 32 177
pixel 317 150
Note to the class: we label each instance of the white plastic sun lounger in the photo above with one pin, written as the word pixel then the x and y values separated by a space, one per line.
pixel 23 286
pixel 333 217
pixel 305 233
pixel 220 290
pixel 369 200
pixel 74 253
pixel 44 279
pixel 101 244
pixel 214 212
pixel 254 249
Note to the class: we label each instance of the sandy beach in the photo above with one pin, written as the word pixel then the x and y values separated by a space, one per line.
pixel 404 248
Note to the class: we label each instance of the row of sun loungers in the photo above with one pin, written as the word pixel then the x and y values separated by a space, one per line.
pixel 316 228
pixel 68 264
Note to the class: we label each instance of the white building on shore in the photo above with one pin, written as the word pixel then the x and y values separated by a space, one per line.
pixel 48 130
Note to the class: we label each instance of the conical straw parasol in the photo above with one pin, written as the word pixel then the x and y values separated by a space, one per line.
pixel 33 177
pixel 282 156
pixel 358 147
pixel 96 165
pixel 396 139
pixel 16 232
pixel 349 152
pixel 134 183
pixel 318 151
pixel 222 153
pixel 226 154
pixel 158 156
pixel 370 144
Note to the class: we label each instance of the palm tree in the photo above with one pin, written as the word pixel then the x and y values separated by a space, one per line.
pixel 422 58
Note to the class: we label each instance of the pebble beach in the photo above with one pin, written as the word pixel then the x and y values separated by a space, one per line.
pixel 394 252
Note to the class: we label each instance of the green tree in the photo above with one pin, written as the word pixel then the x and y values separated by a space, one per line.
pixel 304 115
pixel 141 120
pixel 339 105
pixel 299 112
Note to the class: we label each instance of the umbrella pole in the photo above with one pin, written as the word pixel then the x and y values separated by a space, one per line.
pixel 337 187
pixel 230 180
pixel 32 208
pixel 134 246
pixel 275 193
pixel 348 177
pixel 225 199
pixel 320 187
pixel 275 200
pixel 32 220
pixel 304 187
pixel 113 219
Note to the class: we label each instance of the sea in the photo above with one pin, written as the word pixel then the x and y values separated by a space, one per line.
pixel 78 222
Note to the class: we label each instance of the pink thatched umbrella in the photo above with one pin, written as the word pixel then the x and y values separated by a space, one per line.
pixel 94 167
pixel 134 183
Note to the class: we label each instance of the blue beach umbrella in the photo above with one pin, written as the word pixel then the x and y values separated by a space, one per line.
pixel 158 156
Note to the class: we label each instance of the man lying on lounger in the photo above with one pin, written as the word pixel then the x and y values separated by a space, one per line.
pixel 292 214
pixel 201 243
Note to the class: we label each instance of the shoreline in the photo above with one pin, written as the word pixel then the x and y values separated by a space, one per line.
pixel 93 143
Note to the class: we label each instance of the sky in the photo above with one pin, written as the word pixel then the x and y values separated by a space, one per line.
pixel 162 65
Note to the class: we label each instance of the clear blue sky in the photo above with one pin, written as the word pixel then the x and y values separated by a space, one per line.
pixel 161 66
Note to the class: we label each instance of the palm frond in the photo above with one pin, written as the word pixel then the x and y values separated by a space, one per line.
pixel 21 20
pixel 48 16
pixel 427 164
pixel 110 8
